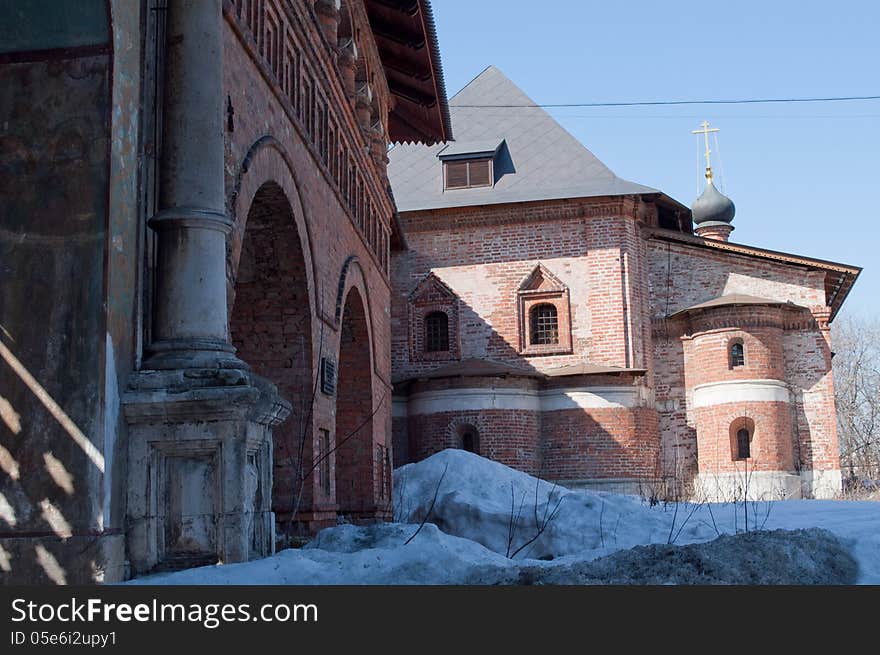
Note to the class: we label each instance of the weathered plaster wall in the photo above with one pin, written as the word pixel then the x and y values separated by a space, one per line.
pixel 53 209
pixel 68 246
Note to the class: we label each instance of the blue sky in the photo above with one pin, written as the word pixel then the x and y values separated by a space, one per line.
pixel 803 176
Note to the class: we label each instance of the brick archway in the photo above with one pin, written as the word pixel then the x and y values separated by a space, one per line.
pixel 271 326
pixel 355 474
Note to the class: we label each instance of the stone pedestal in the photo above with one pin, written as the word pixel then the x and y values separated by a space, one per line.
pixel 200 467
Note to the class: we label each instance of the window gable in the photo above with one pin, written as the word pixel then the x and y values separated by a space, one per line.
pixel 433 322
pixel 544 314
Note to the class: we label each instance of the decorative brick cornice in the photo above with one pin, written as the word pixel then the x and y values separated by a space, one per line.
pixel 727 318
pixel 513 213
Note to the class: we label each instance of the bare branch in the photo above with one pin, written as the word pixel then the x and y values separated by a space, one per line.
pixel 431 508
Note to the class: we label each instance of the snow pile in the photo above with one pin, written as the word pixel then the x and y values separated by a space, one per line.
pixel 487 502
pixel 355 555
pixel 779 557
pixel 479 503
pixel 856 523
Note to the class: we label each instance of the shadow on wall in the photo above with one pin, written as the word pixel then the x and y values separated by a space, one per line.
pixel 55 106
pixel 566 444
pixel 49 513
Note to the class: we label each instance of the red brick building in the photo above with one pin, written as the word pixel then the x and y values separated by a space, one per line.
pixel 561 320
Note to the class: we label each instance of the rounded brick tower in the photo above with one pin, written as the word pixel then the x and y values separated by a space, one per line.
pixel 742 404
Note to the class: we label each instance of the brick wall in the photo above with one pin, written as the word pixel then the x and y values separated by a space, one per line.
pixel 771 445
pixel 620 284
pixel 338 212
pixel 507 436
pixel 485 254
pixel 270 326
pixel 790 344
pixel 683 275
pixel 600 443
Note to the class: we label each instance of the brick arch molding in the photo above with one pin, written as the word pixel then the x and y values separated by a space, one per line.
pixel 267 161
pixel 352 277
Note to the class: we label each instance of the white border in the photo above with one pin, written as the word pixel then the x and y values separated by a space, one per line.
pixel 736 391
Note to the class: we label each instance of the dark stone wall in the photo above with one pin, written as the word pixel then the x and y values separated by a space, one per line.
pixel 54 149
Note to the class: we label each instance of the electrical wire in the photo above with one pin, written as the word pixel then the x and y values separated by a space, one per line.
pixel 651 103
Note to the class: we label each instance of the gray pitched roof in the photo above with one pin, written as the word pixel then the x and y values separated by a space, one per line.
pixel 540 160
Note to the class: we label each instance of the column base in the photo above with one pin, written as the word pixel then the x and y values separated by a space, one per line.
pixel 179 354
pixel 200 467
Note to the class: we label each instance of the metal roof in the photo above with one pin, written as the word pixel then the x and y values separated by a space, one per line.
pixel 586 368
pixel 736 299
pixel 541 160
pixel 473 367
pixel 470 148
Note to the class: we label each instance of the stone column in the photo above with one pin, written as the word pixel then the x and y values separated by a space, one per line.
pixel 199 420
pixel 190 323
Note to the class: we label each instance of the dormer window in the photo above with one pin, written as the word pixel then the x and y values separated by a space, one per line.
pixel 467 174
pixel 469 165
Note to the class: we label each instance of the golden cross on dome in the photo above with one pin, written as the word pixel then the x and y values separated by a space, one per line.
pixel 705 132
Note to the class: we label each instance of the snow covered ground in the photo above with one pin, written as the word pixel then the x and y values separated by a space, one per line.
pixel 485 511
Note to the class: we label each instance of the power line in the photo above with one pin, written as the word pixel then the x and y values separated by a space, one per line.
pixel 652 103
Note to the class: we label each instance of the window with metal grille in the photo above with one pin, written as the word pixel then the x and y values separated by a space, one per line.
pixel 737 354
pixel 468 173
pixel 544 325
pixel 743 446
pixel 436 332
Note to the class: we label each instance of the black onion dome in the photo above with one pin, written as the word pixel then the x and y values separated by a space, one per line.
pixel 713 206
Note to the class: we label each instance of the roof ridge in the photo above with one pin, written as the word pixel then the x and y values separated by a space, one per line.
pixel 474 79
pixel 543 160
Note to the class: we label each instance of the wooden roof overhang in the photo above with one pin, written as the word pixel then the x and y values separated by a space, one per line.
pixel 406 39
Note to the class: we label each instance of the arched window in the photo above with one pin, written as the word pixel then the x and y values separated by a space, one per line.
pixel 743 444
pixel 737 354
pixel 544 324
pixel 436 332
pixel 470 439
